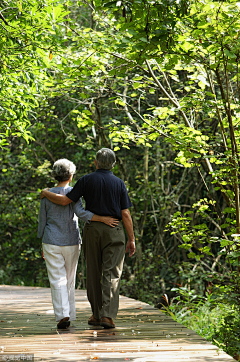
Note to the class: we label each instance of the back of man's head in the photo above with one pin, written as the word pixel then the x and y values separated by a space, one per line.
pixel 105 159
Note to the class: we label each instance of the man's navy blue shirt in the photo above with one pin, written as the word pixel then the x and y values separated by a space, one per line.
pixel 104 193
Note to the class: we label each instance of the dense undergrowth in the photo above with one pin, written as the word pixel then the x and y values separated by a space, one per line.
pixel 217 322
pixel 211 308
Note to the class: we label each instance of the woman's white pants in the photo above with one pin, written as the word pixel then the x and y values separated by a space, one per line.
pixel 61 262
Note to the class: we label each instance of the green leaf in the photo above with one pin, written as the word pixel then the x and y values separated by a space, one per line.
pixel 226 243
pixel 229 210
pixel 187 46
pixel 191 255
pixel 223 226
pixel 229 54
pixel 137 85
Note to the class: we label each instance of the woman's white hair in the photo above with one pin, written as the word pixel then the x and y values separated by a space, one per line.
pixel 63 169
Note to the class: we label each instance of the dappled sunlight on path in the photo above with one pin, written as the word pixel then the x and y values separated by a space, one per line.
pixel 142 333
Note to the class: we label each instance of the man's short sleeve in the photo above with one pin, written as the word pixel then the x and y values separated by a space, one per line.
pixel 125 200
pixel 76 192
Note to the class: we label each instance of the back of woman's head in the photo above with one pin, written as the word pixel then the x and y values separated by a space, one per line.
pixel 63 169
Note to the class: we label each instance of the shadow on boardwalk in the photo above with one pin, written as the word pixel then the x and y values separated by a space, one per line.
pixel 142 333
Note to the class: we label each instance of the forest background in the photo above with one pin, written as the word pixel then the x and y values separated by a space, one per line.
pixel 157 82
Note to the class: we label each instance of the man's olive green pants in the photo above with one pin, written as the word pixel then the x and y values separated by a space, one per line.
pixel 104 251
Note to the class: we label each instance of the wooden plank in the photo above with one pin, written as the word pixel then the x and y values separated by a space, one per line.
pixel 142 333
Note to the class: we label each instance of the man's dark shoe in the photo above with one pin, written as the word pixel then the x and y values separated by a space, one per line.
pixel 107 322
pixel 64 323
pixel 94 321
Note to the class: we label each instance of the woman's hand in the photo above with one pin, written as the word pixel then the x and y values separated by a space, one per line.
pixel 108 220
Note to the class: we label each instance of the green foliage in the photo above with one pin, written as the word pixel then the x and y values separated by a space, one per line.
pixel 158 82
pixel 208 247
pixel 145 280
pixel 30 34
pixel 217 322
pixel 226 333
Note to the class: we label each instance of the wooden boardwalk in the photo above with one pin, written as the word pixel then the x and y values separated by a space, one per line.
pixel 142 333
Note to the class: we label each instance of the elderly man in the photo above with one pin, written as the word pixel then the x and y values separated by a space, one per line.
pixel 104 246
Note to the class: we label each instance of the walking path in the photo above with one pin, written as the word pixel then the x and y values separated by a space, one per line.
pixel 142 333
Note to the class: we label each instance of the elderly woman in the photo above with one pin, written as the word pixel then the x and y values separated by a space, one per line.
pixel 61 242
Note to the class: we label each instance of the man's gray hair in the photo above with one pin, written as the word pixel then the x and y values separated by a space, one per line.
pixel 63 169
pixel 105 158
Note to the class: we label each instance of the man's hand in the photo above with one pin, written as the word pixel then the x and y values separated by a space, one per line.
pixel 127 222
pixel 42 195
pixel 55 198
pixel 131 247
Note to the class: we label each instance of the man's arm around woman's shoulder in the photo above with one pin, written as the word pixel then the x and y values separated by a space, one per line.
pixel 55 198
